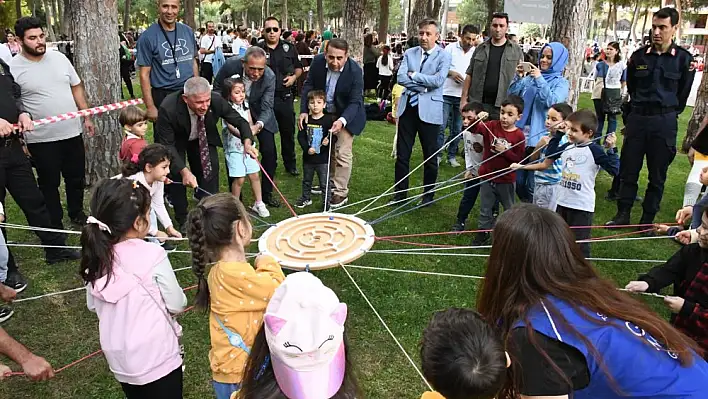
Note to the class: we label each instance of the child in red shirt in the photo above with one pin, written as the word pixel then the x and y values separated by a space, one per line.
pixel 134 122
pixel 500 151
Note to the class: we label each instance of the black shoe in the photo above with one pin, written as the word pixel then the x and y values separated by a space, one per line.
pixel 610 196
pixel 5 313
pixel 458 226
pixel 294 172
pixel 397 200
pixel 272 202
pixel 79 219
pixel 647 219
pixel 16 281
pixel 426 202
pixel 316 190
pixel 620 219
pixel 481 239
pixel 56 255
pixel 168 246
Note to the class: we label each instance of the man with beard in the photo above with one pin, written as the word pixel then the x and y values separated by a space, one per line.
pixel 50 86
pixel 207 47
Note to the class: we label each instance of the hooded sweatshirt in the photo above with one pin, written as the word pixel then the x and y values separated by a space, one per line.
pixel 541 93
pixel 138 336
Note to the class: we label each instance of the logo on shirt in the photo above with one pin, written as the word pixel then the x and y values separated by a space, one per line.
pixel 570 179
pixel 180 47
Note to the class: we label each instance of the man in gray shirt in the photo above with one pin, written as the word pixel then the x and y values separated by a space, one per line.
pixel 50 86
pixel 492 68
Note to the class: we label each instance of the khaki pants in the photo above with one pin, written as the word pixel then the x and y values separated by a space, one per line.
pixel 341 163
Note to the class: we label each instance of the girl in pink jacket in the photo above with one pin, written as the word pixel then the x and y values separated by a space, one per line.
pixel 130 284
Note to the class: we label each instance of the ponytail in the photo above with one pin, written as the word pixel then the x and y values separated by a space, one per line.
pixel 150 155
pixel 200 255
pixel 96 253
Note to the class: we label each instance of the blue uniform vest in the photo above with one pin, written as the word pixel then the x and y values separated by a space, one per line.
pixel 640 365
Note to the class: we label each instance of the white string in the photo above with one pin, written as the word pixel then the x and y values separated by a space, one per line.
pixel 32 298
pixel 386 327
pixel 329 160
pixel 487 255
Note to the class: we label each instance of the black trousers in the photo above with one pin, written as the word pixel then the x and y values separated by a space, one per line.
pixel 125 75
pixel 285 115
pixel 16 176
pixel 167 387
pixel 269 160
pixel 653 136
pixel 57 159
pixel 206 71
pixel 492 110
pixel 410 125
pixel 178 192
pixel 308 174
pixel 158 95
pixel 382 90
pixel 575 217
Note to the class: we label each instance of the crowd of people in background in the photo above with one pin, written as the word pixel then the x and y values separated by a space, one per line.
pixel 560 331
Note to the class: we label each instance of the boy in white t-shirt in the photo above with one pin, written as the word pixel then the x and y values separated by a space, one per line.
pixel 582 159
pixel 474 145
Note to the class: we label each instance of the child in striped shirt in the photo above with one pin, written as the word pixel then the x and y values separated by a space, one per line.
pixel 547 158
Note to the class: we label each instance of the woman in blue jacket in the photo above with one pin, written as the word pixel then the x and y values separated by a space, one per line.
pixel 540 88
pixel 571 333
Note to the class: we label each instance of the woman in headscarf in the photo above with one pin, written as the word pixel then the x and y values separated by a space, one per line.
pixel 326 37
pixel 540 87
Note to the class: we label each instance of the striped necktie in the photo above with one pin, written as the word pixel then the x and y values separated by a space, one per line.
pixel 414 95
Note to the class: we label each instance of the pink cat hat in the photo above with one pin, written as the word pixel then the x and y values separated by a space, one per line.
pixel 305 334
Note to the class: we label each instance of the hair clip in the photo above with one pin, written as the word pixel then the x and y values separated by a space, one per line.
pixel 134 158
pixel 135 184
pixel 101 226
pixel 235 76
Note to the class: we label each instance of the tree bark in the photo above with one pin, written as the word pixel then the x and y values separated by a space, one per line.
pixel 189 6
pixel 635 18
pixel 101 80
pixel 383 20
pixel 56 15
pixel 50 18
pixel 644 24
pixel 18 8
pixel 421 9
pixel 126 15
pixel 491 9
pixel 609 21
pixel 353 29
pixel 320 16
pixel 570 19
pixel 678 28
pixel 284 19
pixel 699 112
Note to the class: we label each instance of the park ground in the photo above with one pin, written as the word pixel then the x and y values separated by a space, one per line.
pixel 62 330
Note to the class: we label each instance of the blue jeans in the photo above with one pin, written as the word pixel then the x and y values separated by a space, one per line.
pixel 525 182
pixel 223 390
pixel 452 119
pixel 601 115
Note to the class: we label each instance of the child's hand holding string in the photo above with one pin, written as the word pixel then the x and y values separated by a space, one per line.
pixel 468 175
pixel 4 372
pixel 610 140
pixel 516 166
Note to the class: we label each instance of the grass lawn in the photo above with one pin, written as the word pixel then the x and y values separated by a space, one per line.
pixel 61 329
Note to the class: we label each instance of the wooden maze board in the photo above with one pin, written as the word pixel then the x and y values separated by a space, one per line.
pixel 317 240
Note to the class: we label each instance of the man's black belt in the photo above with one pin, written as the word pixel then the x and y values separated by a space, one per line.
pixel 652 110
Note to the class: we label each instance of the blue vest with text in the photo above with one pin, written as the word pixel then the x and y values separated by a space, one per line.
pixel 640 365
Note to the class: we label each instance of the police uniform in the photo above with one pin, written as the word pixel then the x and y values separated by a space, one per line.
pixel 658 86
pixel 284 61
pixel 17 177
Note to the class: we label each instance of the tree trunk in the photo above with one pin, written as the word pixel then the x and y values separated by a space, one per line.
pixel 644 24
pixel 56 17
pixel 284 19
pixel 353 30
pixel 189 6
pixel 491 9
pixel 678 28
pixel 18 8
pixel 570 18
pixel 614 23
pixel 126 15
pixel 320 16
pixel 67 23
pixel 635 18
pixel 50 18
pixel 383 20
pixel 443 19
pixel 699 111
pixel 421 9
pixel 609 21
pixel 101 80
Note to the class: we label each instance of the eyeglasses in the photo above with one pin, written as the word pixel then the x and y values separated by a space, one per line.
pixel 274 30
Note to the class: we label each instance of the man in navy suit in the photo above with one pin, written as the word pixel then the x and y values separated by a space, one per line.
pixel 422 72
pixel 343 80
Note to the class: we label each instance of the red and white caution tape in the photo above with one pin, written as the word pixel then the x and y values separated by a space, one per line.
pixel 87 112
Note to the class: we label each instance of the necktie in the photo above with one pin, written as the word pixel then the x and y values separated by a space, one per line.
pixel 203 148
pixel 414 95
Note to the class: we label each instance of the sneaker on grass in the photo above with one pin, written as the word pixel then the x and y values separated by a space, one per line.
pixel 303 202
pixel 260 209
pixel 5 313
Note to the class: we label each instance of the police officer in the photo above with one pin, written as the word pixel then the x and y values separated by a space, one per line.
pixel 659 79
pixel 17 177
pixel 284 61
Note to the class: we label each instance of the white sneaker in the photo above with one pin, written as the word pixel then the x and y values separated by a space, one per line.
pixel 261 210
pixel 453 162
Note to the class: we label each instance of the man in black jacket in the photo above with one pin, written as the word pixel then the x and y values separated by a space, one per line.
pixel 259 80
pixel 187 125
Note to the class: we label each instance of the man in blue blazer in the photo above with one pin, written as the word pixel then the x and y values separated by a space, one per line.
pixel 422 72
pixel 343 80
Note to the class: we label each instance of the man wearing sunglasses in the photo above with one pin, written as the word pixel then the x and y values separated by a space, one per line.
pixel 284 61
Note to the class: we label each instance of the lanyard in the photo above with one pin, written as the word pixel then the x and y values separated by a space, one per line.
pixel 173 47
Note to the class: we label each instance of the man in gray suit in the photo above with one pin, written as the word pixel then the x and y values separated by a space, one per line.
pixel 260 88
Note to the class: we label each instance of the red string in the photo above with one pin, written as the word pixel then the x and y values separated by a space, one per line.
pixel 276 188
pixel 622 234
pixel 487 231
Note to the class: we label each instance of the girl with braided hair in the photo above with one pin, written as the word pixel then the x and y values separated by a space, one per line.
pixel 235 293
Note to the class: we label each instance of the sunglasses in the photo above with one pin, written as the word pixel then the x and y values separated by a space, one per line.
pixel 274 30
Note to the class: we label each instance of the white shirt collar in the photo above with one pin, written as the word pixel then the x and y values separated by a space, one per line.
pixel 129 135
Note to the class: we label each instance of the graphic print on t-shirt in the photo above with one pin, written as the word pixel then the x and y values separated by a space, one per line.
pixel 572 180
pixel 315 136
pixel 181 48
